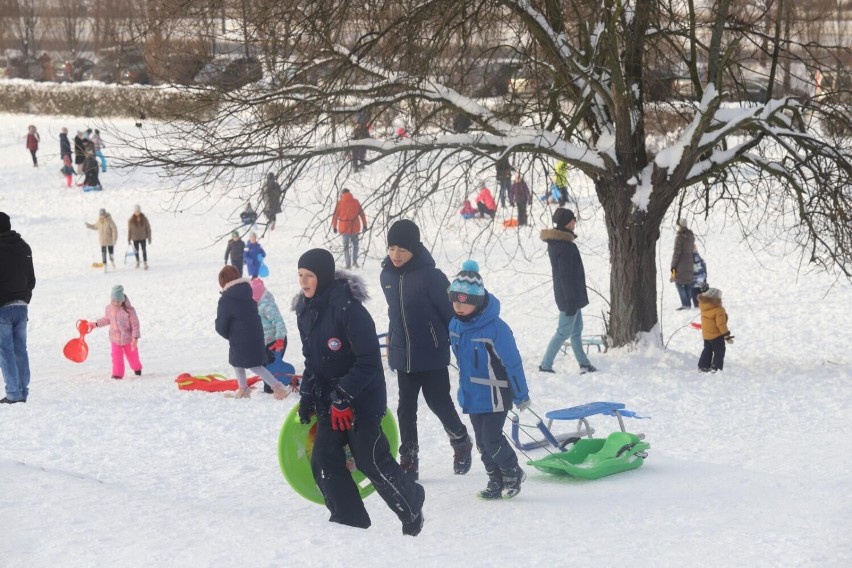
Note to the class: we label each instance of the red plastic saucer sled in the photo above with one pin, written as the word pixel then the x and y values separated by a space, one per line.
pixel 76 350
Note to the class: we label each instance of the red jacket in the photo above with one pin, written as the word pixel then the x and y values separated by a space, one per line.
pixel 486 199
pixel 348 216
pixel 32 142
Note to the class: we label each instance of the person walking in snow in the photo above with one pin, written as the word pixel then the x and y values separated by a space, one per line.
pixel 569 288
pixel 79 151
pixel 234 251
pixel 274 328
pixel 349 220
pixel 138 232
pixel 344 385
pixel 254 255
pixel 491 377
pixel 64 145
pixel 714 329
pixel 107 236
pixel 17 281
pixel 504 179
pixel 91 182
pixel 699 275
pixel 272 198
pixel 32 143
pixel 560 180
pixel 522 197
pixel 238 321
pixel 682 263
pixel 419 313
pixel 120 316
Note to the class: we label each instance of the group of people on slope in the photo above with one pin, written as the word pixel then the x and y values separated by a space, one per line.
pixel 689 274
pixel 514 189
pixel 87 147
pixel 239 253
pixel 138 234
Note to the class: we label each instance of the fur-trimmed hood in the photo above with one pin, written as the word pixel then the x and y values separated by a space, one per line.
pixel 557 235
pixel 356 285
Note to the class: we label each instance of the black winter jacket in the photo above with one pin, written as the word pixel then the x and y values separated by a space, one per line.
pixel 235 249
pixel 419 312
pixel 341 349
pixel 64 145
pixel 569 277
pixel 17 276
pixel 237 321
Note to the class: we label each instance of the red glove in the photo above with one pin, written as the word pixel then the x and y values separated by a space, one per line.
pixel 341 419
pixel 341 410
pixel 278 345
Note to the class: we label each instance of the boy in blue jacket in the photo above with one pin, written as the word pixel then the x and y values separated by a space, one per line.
pixel 491 377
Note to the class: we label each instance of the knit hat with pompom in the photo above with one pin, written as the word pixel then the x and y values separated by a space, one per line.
pixel 467 287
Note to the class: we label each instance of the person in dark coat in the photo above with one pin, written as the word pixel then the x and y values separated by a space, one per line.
pixel 682 263
pixel 234 249
pixel 272 197
pixel 569 288
pixel 237 321
pixel 79 151
pixel 359 155
pixel 17 280
pixel 91 169
pixel 343 383
pixel 64 144
pixel 521 196
pixel 504 178
pixel 419 312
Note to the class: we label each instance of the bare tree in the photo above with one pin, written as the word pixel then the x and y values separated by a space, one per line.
pixel 24 17
pixel 769 161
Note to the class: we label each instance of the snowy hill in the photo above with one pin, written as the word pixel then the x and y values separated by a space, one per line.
pixel 747 467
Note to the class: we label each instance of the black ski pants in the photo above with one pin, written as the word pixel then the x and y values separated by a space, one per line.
pixel 435 385
pixel 713 354
pixel 371 452
pixel 136 246
pixel 494 448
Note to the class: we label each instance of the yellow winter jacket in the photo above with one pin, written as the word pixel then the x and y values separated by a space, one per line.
pixel 714 318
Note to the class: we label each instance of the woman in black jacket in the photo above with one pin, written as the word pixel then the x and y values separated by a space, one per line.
pixel 344 384
pixel 419 312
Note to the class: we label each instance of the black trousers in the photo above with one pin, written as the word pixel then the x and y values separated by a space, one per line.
pixel 483 210
pixel 495 450
pixel 436 391
pixel 104 253
pixel 136 245
pixel 522 213
pixel 713 355
pixel 33 154
pixel 371 451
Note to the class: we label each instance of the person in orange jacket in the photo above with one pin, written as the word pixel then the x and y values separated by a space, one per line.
pixel 348 220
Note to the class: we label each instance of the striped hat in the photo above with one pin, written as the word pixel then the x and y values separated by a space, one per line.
pixel 468 287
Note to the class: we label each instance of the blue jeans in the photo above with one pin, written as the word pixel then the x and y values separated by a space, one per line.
pixel 569 327
pixel 14 361
pixel 353 239
pixel 685 293
pixel 102 158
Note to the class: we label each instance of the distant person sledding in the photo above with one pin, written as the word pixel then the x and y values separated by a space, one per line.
pixel 90 169
pixel 248 217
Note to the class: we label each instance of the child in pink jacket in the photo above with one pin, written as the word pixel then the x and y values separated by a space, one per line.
pixel 123 324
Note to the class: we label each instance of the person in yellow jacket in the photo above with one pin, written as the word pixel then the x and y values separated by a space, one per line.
pixel 107 235
pixel 714 328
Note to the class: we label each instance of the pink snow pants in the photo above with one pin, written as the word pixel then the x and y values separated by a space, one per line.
pixel 119 352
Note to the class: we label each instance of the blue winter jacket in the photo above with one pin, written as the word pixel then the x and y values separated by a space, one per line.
pixel 237 321
pixel 341 348
pixel 419 312
pixel 491 373
pixel 569 276
pixel 252 254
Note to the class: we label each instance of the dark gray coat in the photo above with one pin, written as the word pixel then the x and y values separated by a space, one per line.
pixel 237 321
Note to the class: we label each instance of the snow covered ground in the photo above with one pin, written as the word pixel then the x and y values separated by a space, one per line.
pixel 748 467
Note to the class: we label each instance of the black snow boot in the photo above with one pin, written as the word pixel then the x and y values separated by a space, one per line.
pixel 461 454
pixel 415 525
pixel 494 489
pixel 512 479
pixel 408 460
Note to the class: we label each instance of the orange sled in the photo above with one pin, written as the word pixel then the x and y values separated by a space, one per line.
pixel 209 383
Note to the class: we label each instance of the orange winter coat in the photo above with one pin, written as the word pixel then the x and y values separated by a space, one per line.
pixel 714 318
pixel 348 216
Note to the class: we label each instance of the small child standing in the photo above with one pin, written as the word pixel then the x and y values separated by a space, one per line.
pixel 234 251
pixel 237 321
pixel 67 170
pixel 253 253
pixel 491 376
pixel 714 328
pixel 124 335
pixel 274 328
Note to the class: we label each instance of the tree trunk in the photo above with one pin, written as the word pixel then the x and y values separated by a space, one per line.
pixel 633 240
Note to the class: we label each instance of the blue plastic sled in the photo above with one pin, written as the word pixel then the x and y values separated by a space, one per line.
pixel 263 271
pixel 281 370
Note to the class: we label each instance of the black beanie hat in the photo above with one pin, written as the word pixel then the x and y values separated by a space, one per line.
pixel 562 217
pixel 5 223
pixel 404 234
pixel 321 263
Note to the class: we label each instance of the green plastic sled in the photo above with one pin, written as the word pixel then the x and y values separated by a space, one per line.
pixel 296 443
pixel 593 458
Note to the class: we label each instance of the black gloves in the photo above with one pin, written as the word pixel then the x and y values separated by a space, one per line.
pixel 334 230
pixel 306 408
pixel 729 338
